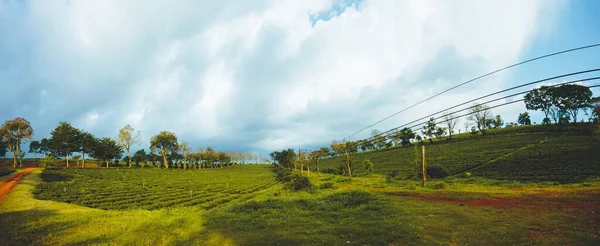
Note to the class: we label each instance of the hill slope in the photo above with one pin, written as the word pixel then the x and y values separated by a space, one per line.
pixel 531 153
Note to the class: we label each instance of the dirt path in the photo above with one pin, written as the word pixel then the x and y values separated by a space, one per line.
pixel 11 181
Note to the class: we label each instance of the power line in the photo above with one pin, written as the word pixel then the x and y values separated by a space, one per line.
pixel 389 132
pixel 474 79
pixel 495 93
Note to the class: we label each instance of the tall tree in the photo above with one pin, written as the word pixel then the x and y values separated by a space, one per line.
pixel 165 142
pixel 13 133
pixel 139 156
pixel 406 134
pixel 63 140
pixel 541 99
pixel 35 147
pixel 572 98
pixel 480 116
pixel 429 129
pixel 127 138
pixel 451 122
pixel 185 152
pixel 524 119
pixel 106 150
pixel 87 142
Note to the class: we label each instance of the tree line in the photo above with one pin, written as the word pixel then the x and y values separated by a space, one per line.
pixel 559 102
pixel 66 141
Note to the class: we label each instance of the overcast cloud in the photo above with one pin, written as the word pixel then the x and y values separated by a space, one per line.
pixel 252 75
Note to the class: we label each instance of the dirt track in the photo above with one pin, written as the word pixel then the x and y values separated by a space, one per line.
pixel 11 181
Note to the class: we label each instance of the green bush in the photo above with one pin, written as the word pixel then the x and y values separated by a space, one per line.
pixel 439 186
pixel 47 162
pixel 327 185
pixel 298 182
pixel 437 172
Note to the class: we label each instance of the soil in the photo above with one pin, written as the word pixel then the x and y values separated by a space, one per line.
pixel 10 182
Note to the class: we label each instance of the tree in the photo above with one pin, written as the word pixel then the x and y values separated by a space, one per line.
pixel 139 156
pixel 429 129
pixel 165 142
pixel 498 122
pixel 541 99
pixel 35 147
pixel 368 166
pixel 317 155
pixel 480 115
pixel 595 110
pixel 185 152
pixel 13 133
pixel 572 98
pixel 378 139
pixel 3 148
pixel 63 140
pixel 406 134
pixel 87 143
pixel 451 122
pixel 107 149
pixel 127 138
pixel 524 119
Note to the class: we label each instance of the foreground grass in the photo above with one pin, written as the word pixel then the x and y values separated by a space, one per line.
pixel 276 217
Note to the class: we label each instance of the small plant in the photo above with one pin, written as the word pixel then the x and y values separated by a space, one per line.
pixel 298 183
pixel 438 186
pixel 327 185
pixel 47 162
pixel 468 174
pixel 368 166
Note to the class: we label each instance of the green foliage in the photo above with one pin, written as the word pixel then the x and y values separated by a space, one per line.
pixel 47 162
pixel 524 119
pixel 150 189
pixel 165 142
pixel 327 185
pixel 467 174
pixel 6 171
pixel 571 157
pixel 63 139
pixel 298 182
pixel 441 185
pixel 368 166
pixel 437 172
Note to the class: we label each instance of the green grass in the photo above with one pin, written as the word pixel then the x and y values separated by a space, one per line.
pixel 532 153
pixel 345 214
pixel 150 189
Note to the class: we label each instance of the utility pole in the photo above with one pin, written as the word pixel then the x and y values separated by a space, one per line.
pixel 423 170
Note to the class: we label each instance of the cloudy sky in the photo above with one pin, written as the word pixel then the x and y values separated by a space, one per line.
pixel 263 75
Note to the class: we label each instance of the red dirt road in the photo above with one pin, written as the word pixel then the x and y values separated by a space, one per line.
pixel 11 181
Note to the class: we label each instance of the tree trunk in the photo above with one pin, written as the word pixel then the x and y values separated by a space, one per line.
pixel 348 163
pixel 67 156
pixel 165 161
pixel 129 158
pixel 106 164
pixel 423 169
pixel 318 172
pixel 82 159
pixel 15 155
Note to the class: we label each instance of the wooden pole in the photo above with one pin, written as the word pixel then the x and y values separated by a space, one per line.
pixel 423 169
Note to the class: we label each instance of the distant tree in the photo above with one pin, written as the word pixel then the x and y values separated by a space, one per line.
pixel 127 138
pixel 440 132
pixel 13 133
pixel 63 140
pixel 106 150
pixel 451 122
pixel 406 134
pixel 524 119
pixel 139 156
pixel 378 139
pixel 87 143
pixel 165 142
pixel 480 116
pixel 3 148
pixel 596 110
pixel 430 129
pixel 210 155
pixel 35 147
pixel 572 98
pixel 498 122
pixel 185 152
pixel 541 99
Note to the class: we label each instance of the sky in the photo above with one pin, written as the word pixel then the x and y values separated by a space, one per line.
pixel 264 75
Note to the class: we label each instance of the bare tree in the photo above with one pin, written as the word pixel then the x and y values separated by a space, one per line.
pixel 451 122
pixel 481 116
pixel 126 139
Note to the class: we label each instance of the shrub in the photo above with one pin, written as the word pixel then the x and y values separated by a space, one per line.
pixel 47 162
pixel 298 183
pixel 327 185
pixel 437 172
pixel 368 166
pixel 329 170
pixel 468 174
pixel 352 198
pixel 441 185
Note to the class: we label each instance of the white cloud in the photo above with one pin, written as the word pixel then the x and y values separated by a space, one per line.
pixel 260 75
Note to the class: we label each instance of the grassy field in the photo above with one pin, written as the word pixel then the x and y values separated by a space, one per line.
pixel 531 153
pixel 356 211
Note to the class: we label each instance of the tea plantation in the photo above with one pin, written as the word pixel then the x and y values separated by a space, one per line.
pixel 150 189
pixel 531 153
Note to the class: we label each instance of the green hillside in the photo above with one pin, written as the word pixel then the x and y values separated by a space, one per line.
pixel 528 153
